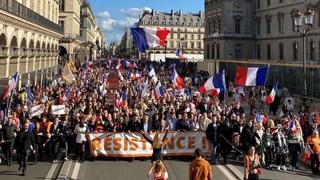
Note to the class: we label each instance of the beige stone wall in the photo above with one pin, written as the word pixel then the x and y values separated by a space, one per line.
pixel 25 48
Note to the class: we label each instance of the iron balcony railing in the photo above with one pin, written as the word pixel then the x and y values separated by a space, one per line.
pixel 22 11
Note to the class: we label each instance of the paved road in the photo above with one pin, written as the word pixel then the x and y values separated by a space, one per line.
pixel 37 171
pixel 136 170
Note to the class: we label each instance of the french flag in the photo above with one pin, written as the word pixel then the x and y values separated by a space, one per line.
pixel 159 90
pixel 216 83
pixel 123 99
pixel 135 76
pixel 12 85
pixel 292 125
pixel 146 38
pixel 251 76
pixel 179 54
pixel 272 94
pixel 176 79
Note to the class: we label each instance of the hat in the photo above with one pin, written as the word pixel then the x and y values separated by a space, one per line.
pixel 198 152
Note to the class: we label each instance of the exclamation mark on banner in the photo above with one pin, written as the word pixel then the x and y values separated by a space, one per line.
pixel 204 143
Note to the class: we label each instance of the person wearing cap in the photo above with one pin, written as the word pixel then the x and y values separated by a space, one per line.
pixel 313 144
pixel 199 169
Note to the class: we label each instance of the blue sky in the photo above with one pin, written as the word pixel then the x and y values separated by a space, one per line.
pixel 114 15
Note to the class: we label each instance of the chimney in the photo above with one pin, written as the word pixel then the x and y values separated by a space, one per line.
pixel 200 14
pixel 172 12
pixel 180 13
pixel 152 12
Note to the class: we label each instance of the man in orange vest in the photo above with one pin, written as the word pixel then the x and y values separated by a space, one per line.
pixel 313 143
pixel 199 168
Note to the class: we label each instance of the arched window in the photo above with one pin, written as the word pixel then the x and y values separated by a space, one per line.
pixel 212 51
pixel 258 51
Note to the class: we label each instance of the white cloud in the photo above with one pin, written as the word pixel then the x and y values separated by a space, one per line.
pixel 103 14
pixel 114 28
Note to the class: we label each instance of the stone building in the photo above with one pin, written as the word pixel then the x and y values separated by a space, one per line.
pixel 187 33
pixel 29 39
pixel 82 36
pixel 258 29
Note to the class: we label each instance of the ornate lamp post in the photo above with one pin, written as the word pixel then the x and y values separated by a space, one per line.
pixel 308 16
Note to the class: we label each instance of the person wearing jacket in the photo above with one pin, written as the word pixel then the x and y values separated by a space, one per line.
pixel 7 136
pixel 24 144
pixel 199 169
pixel 212 137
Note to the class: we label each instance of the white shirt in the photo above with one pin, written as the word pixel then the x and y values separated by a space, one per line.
pixel 80 131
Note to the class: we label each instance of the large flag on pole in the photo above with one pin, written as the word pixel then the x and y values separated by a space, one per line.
pixel 251 76
pixel 146 38
pixel 215 83
pixel 12 85
pixel 67 74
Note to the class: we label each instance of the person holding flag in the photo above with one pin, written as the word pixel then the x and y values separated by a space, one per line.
pixel 295 141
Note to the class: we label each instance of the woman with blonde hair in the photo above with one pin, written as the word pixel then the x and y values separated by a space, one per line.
pixel 157 144
pixel 158 171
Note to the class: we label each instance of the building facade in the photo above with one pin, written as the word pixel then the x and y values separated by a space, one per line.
pixel 258 29
pixel 29 40
pixel 186 33
pixel 82 39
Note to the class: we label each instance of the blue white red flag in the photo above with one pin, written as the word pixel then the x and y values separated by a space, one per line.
pixel 146 38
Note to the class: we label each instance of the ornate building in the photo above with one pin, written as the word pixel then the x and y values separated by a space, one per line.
pixel 258 29
pixel 82 38
pixel 187 33
pixel 29 38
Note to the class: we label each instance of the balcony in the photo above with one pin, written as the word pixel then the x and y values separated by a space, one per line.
pixel 23 12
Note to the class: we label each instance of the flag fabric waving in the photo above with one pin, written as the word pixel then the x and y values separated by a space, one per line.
pixel 146 38
pixel 67 74
pixel 30 95
pixel 215 83
pixel 272 94
pixel 159 90
pixel 12 85
pixel 176 79
pixel 251 76
pixel 153 75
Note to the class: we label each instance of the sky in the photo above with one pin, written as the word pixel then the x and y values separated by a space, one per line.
pixel 114 15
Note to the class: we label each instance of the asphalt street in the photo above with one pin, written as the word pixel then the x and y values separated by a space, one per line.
pixel 136 170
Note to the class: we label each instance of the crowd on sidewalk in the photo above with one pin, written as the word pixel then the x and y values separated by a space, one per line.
pixel 149 98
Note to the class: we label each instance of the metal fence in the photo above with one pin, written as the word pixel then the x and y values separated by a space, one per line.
pixel 288 75
pixel 20 10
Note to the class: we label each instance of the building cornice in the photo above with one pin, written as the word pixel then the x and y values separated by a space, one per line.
pixel 7 18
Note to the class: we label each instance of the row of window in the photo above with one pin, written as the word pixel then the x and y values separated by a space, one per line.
pixel 164 23
pixel 171 19
pixel 281 47
pixel 191 45
pixel 215 51
pixel 185 36
pixel 214 26
pixel 268 2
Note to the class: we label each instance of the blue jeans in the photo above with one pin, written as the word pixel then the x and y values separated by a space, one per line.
pixel 213 146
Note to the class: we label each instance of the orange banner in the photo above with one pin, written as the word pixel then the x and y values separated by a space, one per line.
pixel 135 145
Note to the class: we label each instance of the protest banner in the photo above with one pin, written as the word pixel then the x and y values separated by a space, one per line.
pixel 134 144
pixel 36 110
pixel 113 80
pixel 58 109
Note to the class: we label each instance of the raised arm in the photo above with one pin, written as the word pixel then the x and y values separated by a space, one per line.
pixel 165 136
pixel 145 137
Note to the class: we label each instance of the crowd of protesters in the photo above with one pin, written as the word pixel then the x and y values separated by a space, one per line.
pixel 237 120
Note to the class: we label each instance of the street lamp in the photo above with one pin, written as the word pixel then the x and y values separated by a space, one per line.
pixel 309 19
